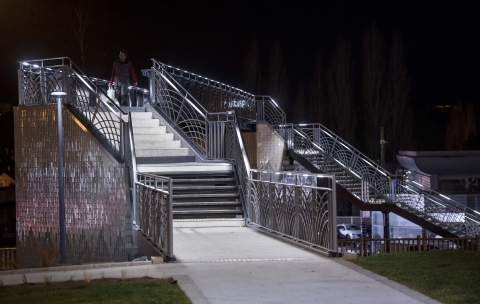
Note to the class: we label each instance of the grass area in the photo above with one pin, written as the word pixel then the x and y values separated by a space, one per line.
pixel 121 292
pixel 449 276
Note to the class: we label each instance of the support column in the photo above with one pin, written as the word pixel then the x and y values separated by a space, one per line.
pixel 386 229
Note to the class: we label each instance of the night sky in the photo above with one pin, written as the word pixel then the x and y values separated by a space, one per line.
pixel 211 38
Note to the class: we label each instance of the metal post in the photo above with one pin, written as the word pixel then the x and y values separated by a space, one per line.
pixel 61 182
pixel 333 212
pixel 170 219
pixel 382 147
pixel 386 229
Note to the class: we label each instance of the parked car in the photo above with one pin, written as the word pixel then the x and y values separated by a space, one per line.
pixel 348 231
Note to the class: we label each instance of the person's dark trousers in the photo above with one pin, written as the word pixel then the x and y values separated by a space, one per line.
pixel 121 94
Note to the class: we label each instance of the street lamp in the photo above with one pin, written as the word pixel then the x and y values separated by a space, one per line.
pixel 59 96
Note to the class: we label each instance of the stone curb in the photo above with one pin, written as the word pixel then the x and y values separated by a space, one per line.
pixel 75 267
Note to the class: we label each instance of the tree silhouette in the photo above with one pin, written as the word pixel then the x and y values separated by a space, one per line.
pixel 252 70
pixel 316 94
pixel 277 83
pixel 373 78
pixel 84 36
pixel 340 92
pixel 461 126
pixel 399 123
pixel 301 109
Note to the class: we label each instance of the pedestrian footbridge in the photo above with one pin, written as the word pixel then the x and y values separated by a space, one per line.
pixel 189 152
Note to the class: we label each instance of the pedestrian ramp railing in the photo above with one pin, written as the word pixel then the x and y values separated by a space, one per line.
pixel 154 215
pixel 369 246
pixel 8 258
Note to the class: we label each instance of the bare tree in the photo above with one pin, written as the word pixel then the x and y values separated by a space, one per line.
pixel 252 70
pixel 340 92
pixel 277 83
pixel 84 36
pixel 316 97
pixel 399 123
pixel 461 125
pixel 300 107
pixel 373 78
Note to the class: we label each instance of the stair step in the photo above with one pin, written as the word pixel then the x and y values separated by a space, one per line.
pixel 144 123
pixel 165 160
pixel 149 130
pixel 161 152
pixel 216 188
pixel 141 115
pixel 153 137
pixel 209 203
pixel 164 144
pixel 208 211
pixel 204 180
pixel 203 195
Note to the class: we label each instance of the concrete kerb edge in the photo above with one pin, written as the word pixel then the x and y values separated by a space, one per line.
pixel 383 280
pixel 75 267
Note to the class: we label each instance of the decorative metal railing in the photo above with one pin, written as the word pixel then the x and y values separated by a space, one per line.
pixel 218 136
pixel 208 131
pixel 154 215
pixel 8 258
pixel 294 206
pixel 226 142
pixel 268 111
pixel 212 95
pixel 366 246
pixel 37 79
pixel 372 184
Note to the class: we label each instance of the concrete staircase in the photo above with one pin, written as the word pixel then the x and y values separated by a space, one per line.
pixel 153 144
pixel 204 194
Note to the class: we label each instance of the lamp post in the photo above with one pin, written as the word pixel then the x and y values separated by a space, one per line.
pixel 59 96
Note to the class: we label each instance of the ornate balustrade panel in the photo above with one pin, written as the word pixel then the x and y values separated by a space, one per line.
pixel 332 155
pixel 294 206
pixel 39 78
pixel 179 106
pixel 214 96
pixel 154 210
pixel 268 111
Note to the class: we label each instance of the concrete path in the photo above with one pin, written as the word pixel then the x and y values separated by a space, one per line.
pixel 240 265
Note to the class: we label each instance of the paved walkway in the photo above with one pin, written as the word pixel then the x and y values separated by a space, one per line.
pixel 239 265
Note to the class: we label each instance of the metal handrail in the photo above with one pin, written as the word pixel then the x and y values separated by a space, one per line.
pixel 133 167
pixel 155 214
pixel 39 77
pixel 440 209
pixel 66 61
pixel 211 94
pixel 296 206
pixel 188 115
pixel 268 111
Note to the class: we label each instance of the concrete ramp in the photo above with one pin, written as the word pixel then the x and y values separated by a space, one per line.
pixel 232 244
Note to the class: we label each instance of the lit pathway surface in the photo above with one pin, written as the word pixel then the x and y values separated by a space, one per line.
pixel 240 265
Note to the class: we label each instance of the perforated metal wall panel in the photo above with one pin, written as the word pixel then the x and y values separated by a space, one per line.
pixel 96 192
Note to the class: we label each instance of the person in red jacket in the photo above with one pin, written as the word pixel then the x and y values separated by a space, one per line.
pixel 122 72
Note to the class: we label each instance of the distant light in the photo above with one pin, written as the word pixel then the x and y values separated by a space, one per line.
pixel 25 63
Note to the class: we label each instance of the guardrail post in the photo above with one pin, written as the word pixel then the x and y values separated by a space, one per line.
pixel 297 212
pixel 361 246
pixel 170 219
pixel 21 87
